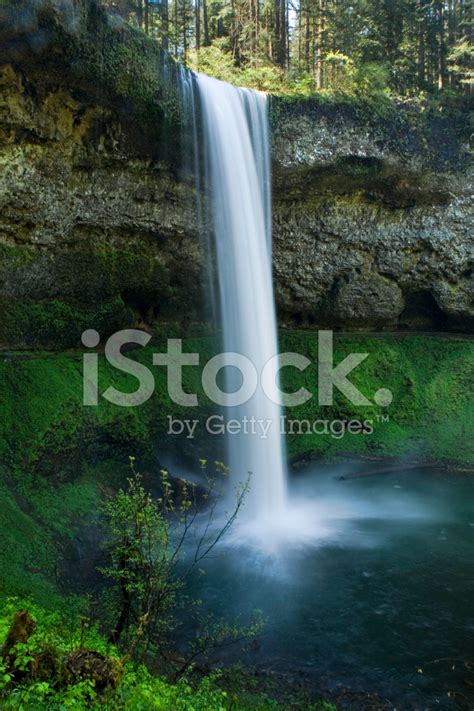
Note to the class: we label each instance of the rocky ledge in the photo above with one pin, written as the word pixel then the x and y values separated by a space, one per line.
pixel 373 218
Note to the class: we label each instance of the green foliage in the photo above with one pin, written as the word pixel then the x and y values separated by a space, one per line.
pixel 217 62
pixel 43 416
pixel 430 414
pixel 344 78
pixel 372 81
pixel 141 558
pixel 61 635
pixel 341 72
pixel 93 275
pixel 57 456
pixel 147 538
pixel 29 324
pixel 406 46
pixel 461 61
pixel 29 687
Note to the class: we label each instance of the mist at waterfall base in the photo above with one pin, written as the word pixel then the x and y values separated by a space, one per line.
pixel 378 585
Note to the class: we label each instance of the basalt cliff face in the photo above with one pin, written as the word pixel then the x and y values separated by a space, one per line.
pixel 91 235
pixel 373 219
pixel 98 227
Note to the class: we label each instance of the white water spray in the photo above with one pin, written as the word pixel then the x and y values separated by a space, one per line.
pixel 238 164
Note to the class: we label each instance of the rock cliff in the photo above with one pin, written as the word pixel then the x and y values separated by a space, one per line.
pixel 98 227
pixel 373 218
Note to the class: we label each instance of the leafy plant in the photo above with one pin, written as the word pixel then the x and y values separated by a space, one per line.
pixel 147 565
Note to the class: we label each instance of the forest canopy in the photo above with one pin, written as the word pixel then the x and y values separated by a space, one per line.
pixel 401 47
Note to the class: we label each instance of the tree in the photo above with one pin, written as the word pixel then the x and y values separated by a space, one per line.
pixel 461 64
pixel 147 538
pixel 415 45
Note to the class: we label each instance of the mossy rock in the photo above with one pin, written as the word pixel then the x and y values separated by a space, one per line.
pixel 76 44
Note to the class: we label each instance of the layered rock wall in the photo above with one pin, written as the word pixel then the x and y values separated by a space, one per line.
pixel 372 214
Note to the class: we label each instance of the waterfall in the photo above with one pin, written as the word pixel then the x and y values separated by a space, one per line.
pixel 236 151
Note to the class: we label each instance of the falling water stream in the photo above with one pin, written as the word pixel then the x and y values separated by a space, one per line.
pixel 238 167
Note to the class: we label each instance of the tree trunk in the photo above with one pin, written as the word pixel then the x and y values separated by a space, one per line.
pixel 124 615
pixel 147 16
pixel 205 22
pixel 421 47
pixel 198 24
pixel 185 31
pixel 320 45
pixel 307 43
pixel 140 13
pixel 276 32
pixel 441 45
pixel 175 33
pixel 164 13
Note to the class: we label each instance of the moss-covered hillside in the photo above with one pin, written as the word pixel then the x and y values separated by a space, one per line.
pixel 58 456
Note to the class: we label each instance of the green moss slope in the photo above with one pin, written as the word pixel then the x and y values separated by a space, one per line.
pixel 43 416
pixel 57 456
pixel 430 378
